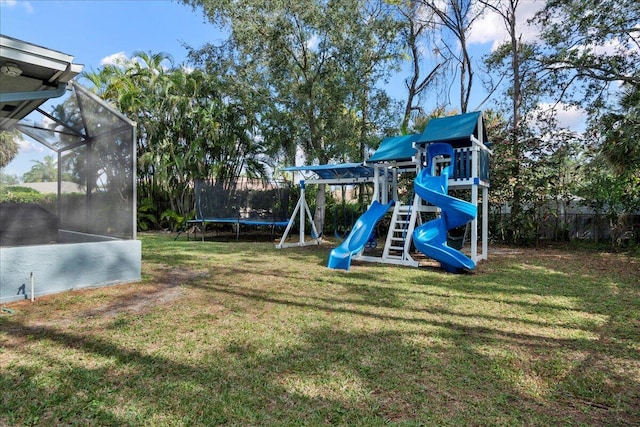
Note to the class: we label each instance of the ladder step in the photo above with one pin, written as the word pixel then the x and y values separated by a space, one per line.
pixel 403 217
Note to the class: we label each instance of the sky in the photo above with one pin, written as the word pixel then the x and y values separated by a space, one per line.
pixel 97 31
pixel 93 30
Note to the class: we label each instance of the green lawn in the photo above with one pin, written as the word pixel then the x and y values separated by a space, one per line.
pixel 244 334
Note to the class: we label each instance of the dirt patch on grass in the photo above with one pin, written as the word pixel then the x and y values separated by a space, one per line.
pixel 165 288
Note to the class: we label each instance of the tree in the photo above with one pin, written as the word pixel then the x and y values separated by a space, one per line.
pixel 316 64
pixel 367 54
pixel 513 62
pixel 6 179
pixel 457 17
pixel 591 47
pixel 591 59
pixel 417 28
pixel 45 170
pixel 606 193
pixel 188 126
pixel 591 55
pixel 8 147
pixel 619 133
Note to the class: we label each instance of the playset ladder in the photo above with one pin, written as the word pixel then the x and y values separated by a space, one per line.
pixel 398 244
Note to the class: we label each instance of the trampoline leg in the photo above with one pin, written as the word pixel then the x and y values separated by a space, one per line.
pixel 179 233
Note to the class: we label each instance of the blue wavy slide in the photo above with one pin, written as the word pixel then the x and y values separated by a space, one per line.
pixel 340 257
pixel 431 237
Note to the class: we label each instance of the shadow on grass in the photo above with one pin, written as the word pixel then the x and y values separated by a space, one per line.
pixel 330 377
pixel 367 347
pixel 370 307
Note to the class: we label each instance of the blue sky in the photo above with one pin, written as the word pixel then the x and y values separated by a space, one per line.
pixel 92 30
pixel 95 30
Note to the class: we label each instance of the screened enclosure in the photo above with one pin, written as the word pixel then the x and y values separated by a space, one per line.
pixel 94 148
pixel 75 225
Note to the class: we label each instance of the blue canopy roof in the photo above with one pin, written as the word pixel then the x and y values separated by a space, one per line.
pixel 396 148
pixel 344 171
pixel 456 130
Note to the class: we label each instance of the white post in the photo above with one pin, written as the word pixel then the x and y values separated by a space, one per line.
pixel 474 199
pixel 474 225
pixel 290 224
pixel 382 182
pixel 313 224
pixel 303 201
pixel 33 287
pixel 485 223
pixel 377 195
pixel 300 210
pixel 394 194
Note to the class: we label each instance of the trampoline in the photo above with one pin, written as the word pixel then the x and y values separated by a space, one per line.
pixel 244 202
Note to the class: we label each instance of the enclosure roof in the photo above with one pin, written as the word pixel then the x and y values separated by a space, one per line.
pixel 29 76
pixel 456 130
pixel 395 148
pixel 342 171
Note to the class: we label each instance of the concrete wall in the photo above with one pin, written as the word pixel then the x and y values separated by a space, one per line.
pixel 62 267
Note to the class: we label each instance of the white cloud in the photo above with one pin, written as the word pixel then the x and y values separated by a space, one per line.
pixel 114 59
pixel 121 59
pixel 491 27
pixel 568 116
pixel 614 46
pixel 488 28
pixel 572 118
pixel 313 42
pixel 26 5
pixel 30 146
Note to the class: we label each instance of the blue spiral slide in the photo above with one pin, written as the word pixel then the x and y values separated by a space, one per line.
pixel 340 257
pixel 431 237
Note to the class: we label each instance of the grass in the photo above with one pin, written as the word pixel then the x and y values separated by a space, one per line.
pixel 240 333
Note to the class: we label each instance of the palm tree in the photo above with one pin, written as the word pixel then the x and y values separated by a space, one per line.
pixel 8 147
pixel 190 124
pixel 621 146
pixel 45 170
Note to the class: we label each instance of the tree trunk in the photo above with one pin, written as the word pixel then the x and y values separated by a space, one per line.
pixel 318 216
pixel 412 86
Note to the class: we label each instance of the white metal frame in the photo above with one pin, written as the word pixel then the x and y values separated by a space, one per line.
pixel 303 212
pixel 302 209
